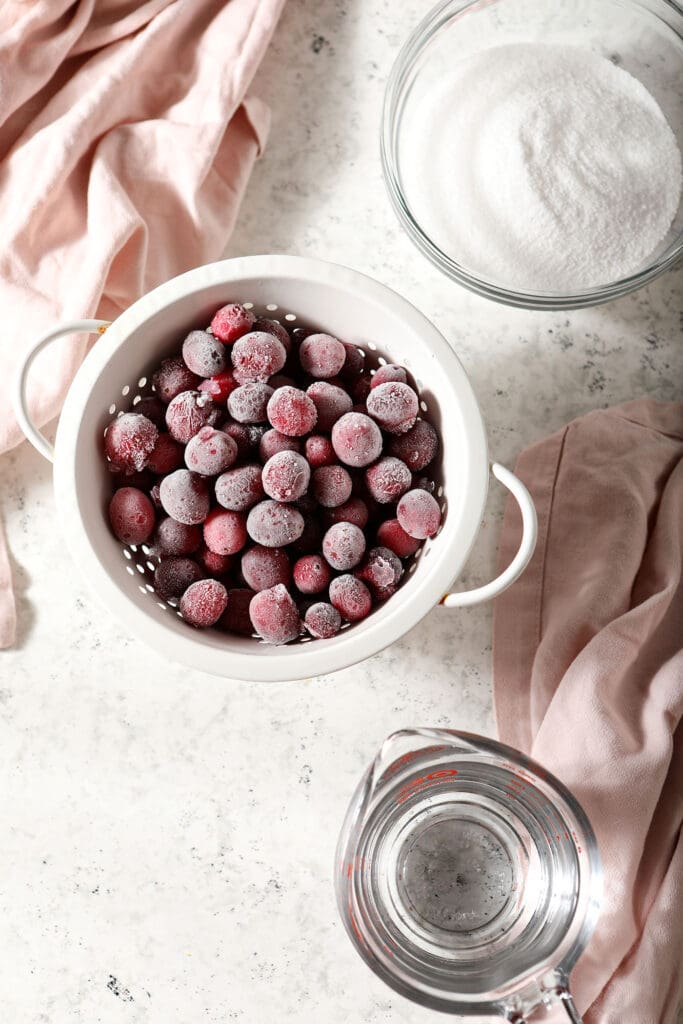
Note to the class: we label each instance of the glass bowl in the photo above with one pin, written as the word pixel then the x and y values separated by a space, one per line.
pixel 645 37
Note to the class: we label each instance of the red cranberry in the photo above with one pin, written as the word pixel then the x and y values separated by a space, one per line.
pixel 419 514
pixel 185 497
pixel 350 597
pixel 356 439
pixel 263 568
pixel 322 620
pixel 311 574
pixel 129 441
pixel 231 322
pixel 131 515
pixel 274 615
pixel 172 378
pixel 391 534
pixel 225 532
pixel 203 603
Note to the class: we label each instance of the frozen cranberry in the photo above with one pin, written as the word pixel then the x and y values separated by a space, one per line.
pixel 350 597
pixel 354 363
pixel 225 531
pixel 356 439
pixel 353 511
pixel 274 525
pixel 216 565
pixel 394 406
pixel 203 603
pixel 344 545
pixel 330 401
pixel 236 618
pixel 391 535
pixel 273 442
pixel 381 569
pixel 292 412
pixel 256 357
pixel 321 355
pixel 153 409
pixel 265 567
pixel 322 620
pixel 388 479
pixel 219 386
pixel 360 389
pixel 173 576
pixel 231 322
pixel 268 326
pixel 185 497
pixel 286 476
pixel 131 515
pixel 188 412
pixel 274 615
pixel 311 574
pixel 167 455
pixel 172 378
pixel 174 538
pixel 240 488
pixel 417 447
pixel 419 514
pixel 203 354
pixel 331 485
pixel 210 452
pixel 319 451
pixel 387 373
pixel 129 441
pixel 248 403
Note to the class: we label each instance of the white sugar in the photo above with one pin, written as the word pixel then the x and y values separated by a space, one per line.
pixel 543 167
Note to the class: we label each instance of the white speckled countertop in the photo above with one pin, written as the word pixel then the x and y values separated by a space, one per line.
pixel 167 837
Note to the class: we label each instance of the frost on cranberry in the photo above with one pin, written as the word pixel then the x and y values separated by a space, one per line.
pixel 394 406
pixel 274 525
pixel 203 354
pixel 188 412
pixel 268 326
pixel 273 442
pixel 172 378
pixel 331 485
pixel 210 452
pixel 322 620
pixel 174 538
pixel 215 565
pixel 185 497
pixel 219 386
pixel 292 412
pixel 350 597
pixel 166 456
pixel 319 451
pixel 419 514
pixel 173 576
pixel 330 402
pixel 356 439
pixel 240 488
pixel 256 357
pixel 381 569
pixel 131 515
pixel 153 409
pixel 235 618
pixel 263 568
pixel 129 441
pixel 388 479
pixel 391 534
pixel 231 322
pixel 344 546
pixel 417 447
pixel 286 476
pixel 355 511
pixel 248 403
pixel 274 615
pixel 387 373
pixel 321 355
pixel 225 531
pixel 203 603
pixel 311 574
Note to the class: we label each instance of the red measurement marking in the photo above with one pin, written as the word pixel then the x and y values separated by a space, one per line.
pixel 437 776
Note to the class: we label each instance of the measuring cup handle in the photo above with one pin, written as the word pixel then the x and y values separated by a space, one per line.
pixel 521 559
pixel 19 397
pixel 561 995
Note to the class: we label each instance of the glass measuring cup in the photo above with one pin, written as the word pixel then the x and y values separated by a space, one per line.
pixel 467 876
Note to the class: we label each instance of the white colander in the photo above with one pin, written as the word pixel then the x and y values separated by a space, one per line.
pixel 307 292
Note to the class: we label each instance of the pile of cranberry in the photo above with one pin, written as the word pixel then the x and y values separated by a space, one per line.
pixel 274 478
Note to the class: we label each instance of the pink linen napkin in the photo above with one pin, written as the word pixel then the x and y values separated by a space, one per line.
pixel 588 678
pixel 126 142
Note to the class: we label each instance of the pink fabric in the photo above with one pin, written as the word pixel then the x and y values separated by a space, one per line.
pixel 588 677
pixel 126 142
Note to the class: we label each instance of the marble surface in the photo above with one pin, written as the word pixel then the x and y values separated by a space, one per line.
pixel 168 837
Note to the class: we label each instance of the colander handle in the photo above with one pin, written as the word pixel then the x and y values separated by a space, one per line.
pixel 20 400
pixel 521 559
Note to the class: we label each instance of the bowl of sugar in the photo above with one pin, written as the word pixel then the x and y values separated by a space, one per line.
pixel 532 148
